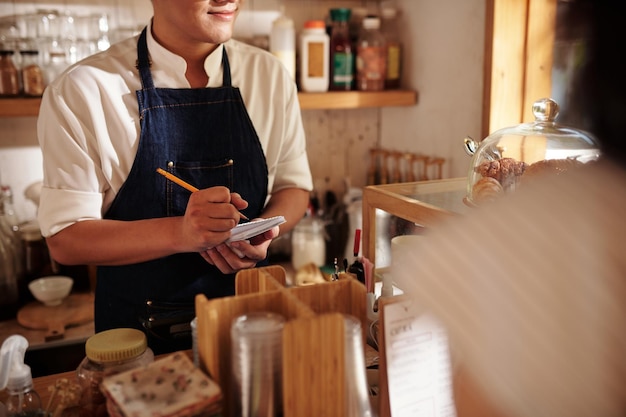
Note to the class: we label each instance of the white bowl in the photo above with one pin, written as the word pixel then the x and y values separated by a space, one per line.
pixel 51 290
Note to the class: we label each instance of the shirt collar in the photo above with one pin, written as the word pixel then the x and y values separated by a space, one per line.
pixel 168 69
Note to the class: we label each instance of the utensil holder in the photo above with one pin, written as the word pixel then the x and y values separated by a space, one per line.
pixel 314 371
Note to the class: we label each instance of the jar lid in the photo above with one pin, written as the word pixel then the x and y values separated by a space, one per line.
pixel 116 345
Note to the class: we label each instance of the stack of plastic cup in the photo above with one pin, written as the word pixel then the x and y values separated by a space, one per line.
pixel 257 364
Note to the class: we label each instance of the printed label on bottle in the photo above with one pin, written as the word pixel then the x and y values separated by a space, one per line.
pixel 343 73
pixel 393 61
pixel 315 67
pixel 371 63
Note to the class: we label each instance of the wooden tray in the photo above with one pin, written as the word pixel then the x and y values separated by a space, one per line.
pixel 313 338
pixel 76 309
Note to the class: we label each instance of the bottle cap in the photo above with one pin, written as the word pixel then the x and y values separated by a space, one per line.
pixel 314 24
pixel 371 22
pixel 340 15
pixel 116 345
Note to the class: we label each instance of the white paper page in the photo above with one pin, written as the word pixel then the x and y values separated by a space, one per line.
pixel 244 231
pixel 419 373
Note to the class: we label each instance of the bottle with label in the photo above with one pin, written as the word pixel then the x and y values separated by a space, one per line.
pixel 371 57
pixel 390 31
pixel 314 57
pixel 283 43
pixel 9 74
pixel 341 51
pixel 31 73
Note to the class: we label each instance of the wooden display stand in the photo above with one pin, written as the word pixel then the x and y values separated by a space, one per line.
pixel 314 371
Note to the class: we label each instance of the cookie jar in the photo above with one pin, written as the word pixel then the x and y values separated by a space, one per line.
pixel 514 156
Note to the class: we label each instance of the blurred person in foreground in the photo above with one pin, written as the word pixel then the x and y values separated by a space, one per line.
pixel 532 288
pixel 185 97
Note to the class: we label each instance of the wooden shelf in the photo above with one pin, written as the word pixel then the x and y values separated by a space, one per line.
pixel 19 107
pixel 24 107
pixel 357 99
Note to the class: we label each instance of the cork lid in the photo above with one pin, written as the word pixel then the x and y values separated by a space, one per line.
pixel 116 345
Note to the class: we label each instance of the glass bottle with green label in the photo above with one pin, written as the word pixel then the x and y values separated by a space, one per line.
pixel 341 52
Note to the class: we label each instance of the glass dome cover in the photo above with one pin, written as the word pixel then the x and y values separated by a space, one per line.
pixel 513 156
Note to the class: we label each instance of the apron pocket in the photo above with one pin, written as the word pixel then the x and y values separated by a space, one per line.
pixel 201 174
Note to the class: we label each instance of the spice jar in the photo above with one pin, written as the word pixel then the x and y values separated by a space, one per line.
pixel 108 353
pixel 32 74
pixel 9 75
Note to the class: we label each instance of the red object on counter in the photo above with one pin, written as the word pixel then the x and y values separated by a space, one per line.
pixel 357 242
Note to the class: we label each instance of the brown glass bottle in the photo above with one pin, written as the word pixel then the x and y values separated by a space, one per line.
pixel 341 52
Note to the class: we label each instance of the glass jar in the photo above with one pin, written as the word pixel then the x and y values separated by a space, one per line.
pixel 515 156
pixel 308 243
pixel 108 353
pixel 9 75
pixel 32 74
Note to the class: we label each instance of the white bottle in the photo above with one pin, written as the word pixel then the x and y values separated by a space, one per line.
pixel 283 43
pixel 314 57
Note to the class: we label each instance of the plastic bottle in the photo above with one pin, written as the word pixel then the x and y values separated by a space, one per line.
pixel 371 57
pixel 314 57
pixel 108 353
pixel 283 43
pixel 389 28
pixel 341 52
pixel 16 377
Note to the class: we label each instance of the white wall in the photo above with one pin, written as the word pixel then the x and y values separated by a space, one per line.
pixel 443 61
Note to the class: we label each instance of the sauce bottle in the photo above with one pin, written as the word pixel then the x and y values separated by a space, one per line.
pixel 371 57
pixel 341 51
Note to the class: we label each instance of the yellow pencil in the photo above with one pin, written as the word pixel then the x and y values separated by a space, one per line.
pixel 177 180
pixel 185 184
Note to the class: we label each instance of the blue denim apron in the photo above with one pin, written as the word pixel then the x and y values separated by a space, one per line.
pixel 205 137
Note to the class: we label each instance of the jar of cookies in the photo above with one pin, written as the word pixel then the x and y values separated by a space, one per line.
pixel 515 156
pixel 107 353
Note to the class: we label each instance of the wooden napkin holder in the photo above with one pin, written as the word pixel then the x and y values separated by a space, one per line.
pixel 314 371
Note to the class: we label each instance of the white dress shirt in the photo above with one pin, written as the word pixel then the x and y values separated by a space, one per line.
pixel 88 125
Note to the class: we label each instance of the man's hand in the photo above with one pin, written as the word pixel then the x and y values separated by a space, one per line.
pixel 234 256
pixel 210 215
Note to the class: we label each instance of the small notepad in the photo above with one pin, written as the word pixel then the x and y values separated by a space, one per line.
pixel 244 231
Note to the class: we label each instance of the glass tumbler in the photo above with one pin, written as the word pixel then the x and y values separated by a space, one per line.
pixel 257 364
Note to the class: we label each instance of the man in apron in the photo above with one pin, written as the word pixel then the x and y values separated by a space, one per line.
pixel 184 97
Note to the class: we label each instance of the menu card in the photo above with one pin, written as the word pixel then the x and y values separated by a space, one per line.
pixel 419 374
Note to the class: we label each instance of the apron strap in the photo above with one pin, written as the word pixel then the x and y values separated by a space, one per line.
pixel 143 61
pixel 226 65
